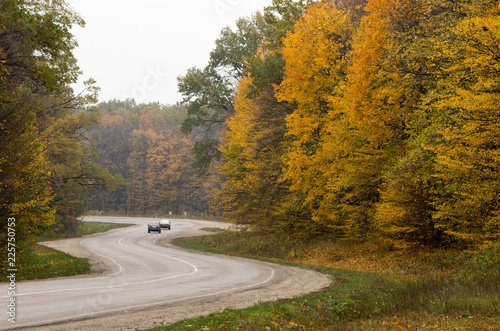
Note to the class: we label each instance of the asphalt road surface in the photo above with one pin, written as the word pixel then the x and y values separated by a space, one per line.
pixel 144 275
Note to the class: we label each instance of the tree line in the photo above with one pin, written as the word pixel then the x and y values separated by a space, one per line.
pixel 356 119
pixel 143 143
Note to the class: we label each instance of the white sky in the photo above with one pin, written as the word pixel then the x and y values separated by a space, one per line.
pixel 137 49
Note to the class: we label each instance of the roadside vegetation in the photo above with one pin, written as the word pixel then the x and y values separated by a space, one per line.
pixel 83 229
pixel 372 288
pixel 45 262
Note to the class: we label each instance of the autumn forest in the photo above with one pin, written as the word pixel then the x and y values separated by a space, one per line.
pixel 354 119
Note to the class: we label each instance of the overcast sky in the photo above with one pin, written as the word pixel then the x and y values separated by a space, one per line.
pixel 136 49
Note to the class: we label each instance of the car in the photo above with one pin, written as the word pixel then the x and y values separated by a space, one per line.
pixel 165 224
pixel 154 226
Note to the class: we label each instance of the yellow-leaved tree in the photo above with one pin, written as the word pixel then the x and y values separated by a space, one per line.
pixel 316 55
pixel 442 185
pixel 254 191
pixel 396 63
pixel 468 161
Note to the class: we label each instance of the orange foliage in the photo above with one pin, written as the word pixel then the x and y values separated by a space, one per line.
pixel 315 75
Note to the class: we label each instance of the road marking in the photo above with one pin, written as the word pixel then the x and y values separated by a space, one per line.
pixel 163 255
pixel 93 314
pixel 121 242
pixel 195 270
pixel 120 268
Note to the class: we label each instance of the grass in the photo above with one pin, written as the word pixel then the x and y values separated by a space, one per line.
pixel 46 262
pixel 85 228
pixel 216 230
pixel 373 289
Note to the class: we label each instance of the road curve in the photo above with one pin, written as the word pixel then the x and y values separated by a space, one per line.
pixel 140 275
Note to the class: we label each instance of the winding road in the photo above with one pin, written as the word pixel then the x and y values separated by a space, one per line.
pixel 141 275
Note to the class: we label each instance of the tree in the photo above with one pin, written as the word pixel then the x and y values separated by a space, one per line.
pixel 209 92
pixel 412 59
pixel 391 113
pixel 267 65
pixel 468 156
pixel 144 144
pixel 66 128
pixel 35 60
pixel 253 48
pixel 316 54
pixel 255 191
pixel 46 160
pixel 433 192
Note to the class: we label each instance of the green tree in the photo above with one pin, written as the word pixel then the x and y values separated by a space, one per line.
pixel 67 130
pixel 46 160
pixel 119 119
pixel 208 93
pixel 35 60
pixel 266 66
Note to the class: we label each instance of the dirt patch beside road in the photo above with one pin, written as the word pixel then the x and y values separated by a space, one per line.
pixel 287 283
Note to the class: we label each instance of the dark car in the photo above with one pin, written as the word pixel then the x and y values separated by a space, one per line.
pixel 154 226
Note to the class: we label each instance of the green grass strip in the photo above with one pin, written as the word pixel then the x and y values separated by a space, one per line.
pixel 46 262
